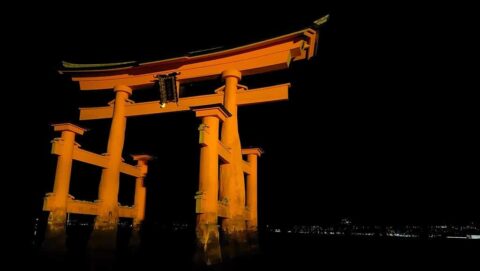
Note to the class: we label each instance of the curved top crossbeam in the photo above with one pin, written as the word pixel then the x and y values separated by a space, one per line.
pixel 264 56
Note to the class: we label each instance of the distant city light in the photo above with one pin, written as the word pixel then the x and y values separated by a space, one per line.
pixel 347 228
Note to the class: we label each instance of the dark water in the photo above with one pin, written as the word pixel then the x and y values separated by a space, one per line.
pixel 173 250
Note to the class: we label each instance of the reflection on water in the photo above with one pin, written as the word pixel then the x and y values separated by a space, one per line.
pixel 166 249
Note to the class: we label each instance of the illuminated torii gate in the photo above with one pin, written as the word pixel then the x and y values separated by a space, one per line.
pixel 222 166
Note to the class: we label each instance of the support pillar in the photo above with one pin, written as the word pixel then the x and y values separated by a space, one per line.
pixel 140 198
pixel 208 246
pixel 232 181
pixel 252 196
pixel 56 202
pixel 103 239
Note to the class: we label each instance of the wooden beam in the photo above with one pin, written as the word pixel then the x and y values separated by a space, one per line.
pixel 49 202
pixel 82 207
pixel 102 161
pixel 244 97
pixel 87 207
pixel 90 157
pixel 126 211
pixel 255 151
pixel 246 167
pixel 224 154
pixel 57 146
pixel 130 170
pixel 95 159
pixel 260 60
pixel 59 127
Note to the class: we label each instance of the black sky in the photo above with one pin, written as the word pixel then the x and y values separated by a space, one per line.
pixel 377 127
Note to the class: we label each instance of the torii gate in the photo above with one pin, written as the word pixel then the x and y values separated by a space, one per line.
pixel 218 196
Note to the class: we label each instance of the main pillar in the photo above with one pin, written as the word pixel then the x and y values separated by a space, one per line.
pixel 208 245
pixel 232 181
pixel 103 239
pixel 56 202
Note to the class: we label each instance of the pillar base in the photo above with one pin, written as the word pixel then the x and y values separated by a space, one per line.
pixel 103 243
pixel 234 241
pixel 135 238
pixel 208 245
pixel 252 236
pixel 55 244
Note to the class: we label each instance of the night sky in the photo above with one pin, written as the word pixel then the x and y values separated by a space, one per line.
pixel 376 129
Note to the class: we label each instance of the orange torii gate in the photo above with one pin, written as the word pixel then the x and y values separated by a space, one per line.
pixel 222 190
